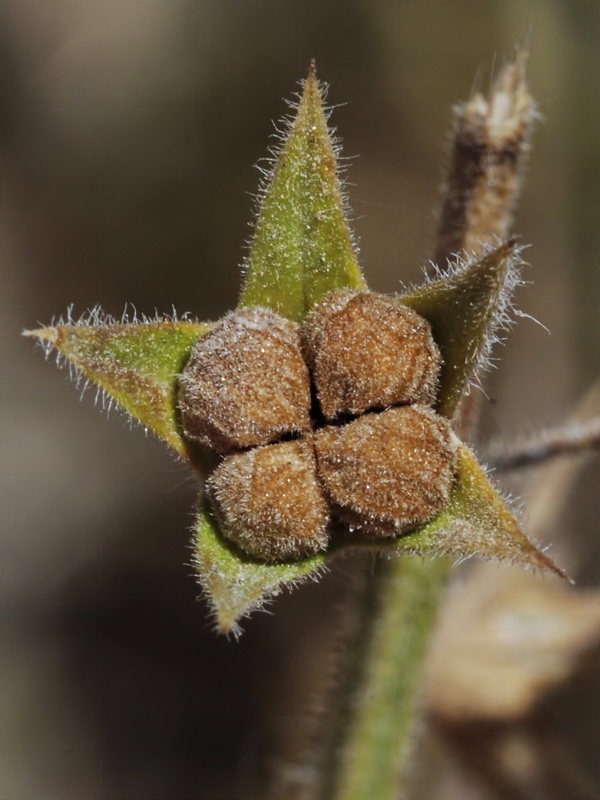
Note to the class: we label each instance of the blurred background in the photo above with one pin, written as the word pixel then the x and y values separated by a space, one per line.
pixel 128 131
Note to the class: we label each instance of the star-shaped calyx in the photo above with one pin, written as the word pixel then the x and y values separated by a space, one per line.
pixel 318 415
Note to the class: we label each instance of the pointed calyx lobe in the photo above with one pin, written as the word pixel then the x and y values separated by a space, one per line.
pixel 136 364
pixel 465 309
pixel 476 522
pixel 236 585
pixel 302 247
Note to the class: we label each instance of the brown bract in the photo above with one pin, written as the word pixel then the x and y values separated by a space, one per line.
pixel 390 471
pixel 367 351
pixel 245 383
pixel 269 500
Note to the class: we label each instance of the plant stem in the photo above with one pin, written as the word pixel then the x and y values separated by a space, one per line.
pixel 370 750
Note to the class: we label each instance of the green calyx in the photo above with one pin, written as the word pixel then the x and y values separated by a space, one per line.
pixel 302 247
pixel 302 250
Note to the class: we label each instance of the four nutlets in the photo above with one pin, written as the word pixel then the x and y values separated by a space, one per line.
pixel 363 453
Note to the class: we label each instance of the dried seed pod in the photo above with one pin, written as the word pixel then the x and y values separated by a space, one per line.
pixel 368 351
pixel 245 383
pixel 390 471
pixel 270 502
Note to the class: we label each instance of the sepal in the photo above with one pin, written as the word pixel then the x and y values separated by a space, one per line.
pixel 135 364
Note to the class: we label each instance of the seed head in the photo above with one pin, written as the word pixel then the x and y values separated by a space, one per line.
pixel 245 383
pixel 388 472
pixel 270 502
pixel 367 351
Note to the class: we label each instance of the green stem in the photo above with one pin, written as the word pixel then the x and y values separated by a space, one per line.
pixel 378 699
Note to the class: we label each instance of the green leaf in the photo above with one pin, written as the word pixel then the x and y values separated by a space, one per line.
pixel 302 247
pixel 135 364
pixel 476 522
pixel 234 584
pixel 465 309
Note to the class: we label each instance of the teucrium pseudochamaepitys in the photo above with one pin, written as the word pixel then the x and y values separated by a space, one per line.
pixel 336 454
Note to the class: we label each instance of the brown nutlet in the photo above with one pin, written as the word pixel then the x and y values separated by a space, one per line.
pixel 368 351
pixel 269 500
pixel 388 472
pixel 245 383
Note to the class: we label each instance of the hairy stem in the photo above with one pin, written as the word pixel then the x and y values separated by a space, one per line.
pixel 370 750
pixel 573 438
pixel 489 143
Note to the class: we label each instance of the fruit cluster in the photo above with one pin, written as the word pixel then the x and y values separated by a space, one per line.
pixel 323 427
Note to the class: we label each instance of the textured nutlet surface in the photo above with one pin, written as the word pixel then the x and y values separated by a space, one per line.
pixel 394 470
pixel 246 391
pixel 367 351
pixel 246 383
pixel 270 502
